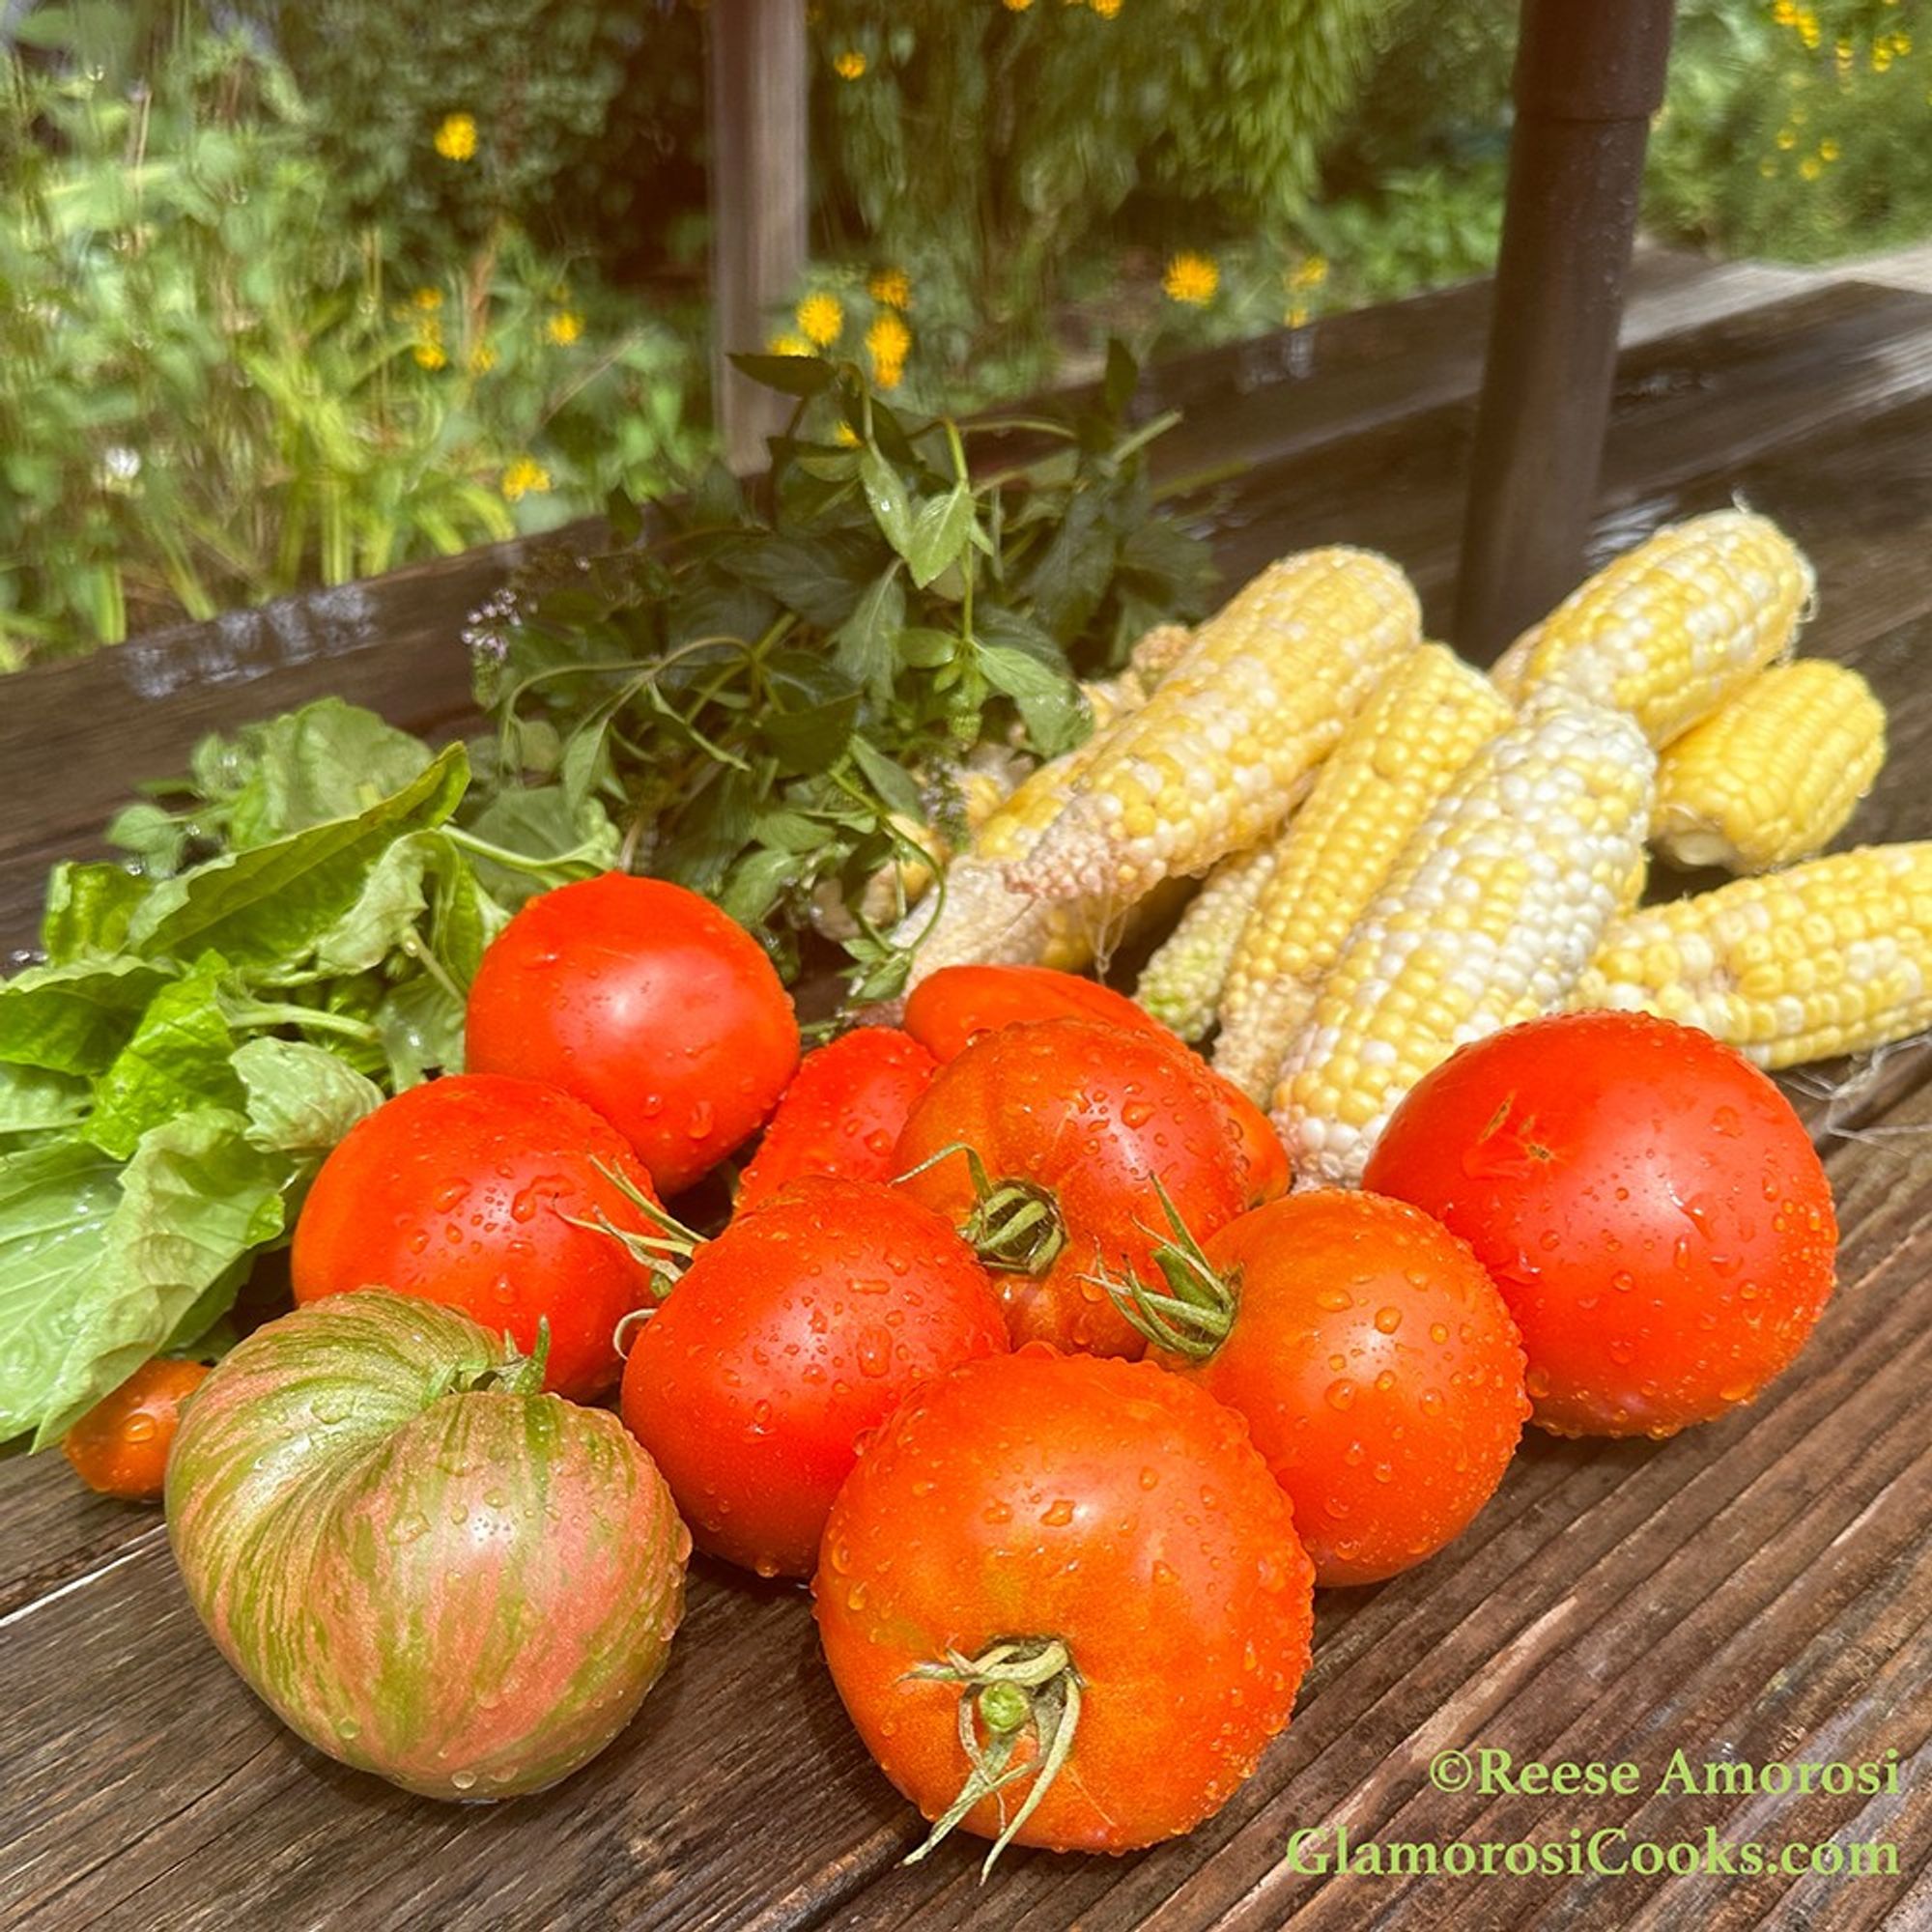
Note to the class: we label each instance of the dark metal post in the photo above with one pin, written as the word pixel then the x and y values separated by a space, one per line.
pixel 1589 75
pixel 758 201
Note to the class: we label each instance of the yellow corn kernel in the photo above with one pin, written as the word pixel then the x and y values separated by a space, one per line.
pixel 1399 755
pixel 1181 983
pixel 1671 629
pixel 1831 956
pixel 1773 773
pixel 1211 763
pixel 1491 911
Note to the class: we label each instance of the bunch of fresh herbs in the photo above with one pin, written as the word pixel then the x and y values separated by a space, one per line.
pixel 292 939
pixel 767 690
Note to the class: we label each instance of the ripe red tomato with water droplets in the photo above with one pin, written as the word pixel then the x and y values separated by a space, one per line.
pixel 648 1004
pixel 1377 1365
pixel 801 1327
pixel 959 1005
pixel 1076 1128
pixel 120 1447
pixel 843 1114
pixel 1064 1524
pixel 951 1008
pixel 469 1191
pixel 1647 1201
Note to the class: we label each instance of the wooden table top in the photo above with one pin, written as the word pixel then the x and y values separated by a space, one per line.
pixel 1755 1592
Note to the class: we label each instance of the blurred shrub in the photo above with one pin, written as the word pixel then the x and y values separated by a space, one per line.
pixel 1800 132
pixel 212 389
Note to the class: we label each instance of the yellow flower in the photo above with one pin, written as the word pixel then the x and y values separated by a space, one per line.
pixel 482 360
pixel 1828 149
pixel 1192 279
pixel 429 354
pixel 428 298
pixel 887 342
pixel 1785 12
pixel 1106 9
pixel 850 64
pixel 565 327
pixel 1310 272
pixel 1296 316
pixel 844 434
pixel 522 476
pixel 1810 167
pixel 1880 58
pixel 821 317
pixel 1807 31
pixel 1787 138
pixel 890 286
pixel 1017 6
pixel 456 138
pixel 788 345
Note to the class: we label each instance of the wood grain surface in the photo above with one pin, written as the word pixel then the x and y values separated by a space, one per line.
pixel 1756 1591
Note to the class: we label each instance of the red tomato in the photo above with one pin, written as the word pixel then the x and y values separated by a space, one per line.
pixel 650 1006
pixel 120 1447
pixel 1647 1201
pixel 961 1003
pixel 947 1012
pixel 1102 1517
pixel 843 1114
pixel 467 1192
pixel 802 1326
pixel 1377 1368
pixel 1072 1123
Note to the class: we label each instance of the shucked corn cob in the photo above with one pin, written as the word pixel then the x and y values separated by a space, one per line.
pixel 1494 908
pixel 1671 628
pixel 1181 983
pixel 1773 773
pixel 1398 755
pixel 1828 958
pixel 981 919
pixel 1211 763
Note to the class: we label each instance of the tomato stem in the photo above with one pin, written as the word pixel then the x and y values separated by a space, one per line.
pixel 1014 1686
pixel 1015 1226
pixel 664 1250
pixel 1194 1316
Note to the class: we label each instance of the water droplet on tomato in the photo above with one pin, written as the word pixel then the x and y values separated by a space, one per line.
pixel 348 1729
pixel 409 1527
pixel 761 1419
pixel 1339 1395
pixel 1438 1331
pixel 464 1780
pixel 1388 1320
pixel 1163 1572
pixel 1058 1514
pixel 1150 1477
pixel 875 1350
pixel 703 1118
pixel 1334 1299
pixel 419 1242
pixel 450 1196
pixel 139 1429
pixel 997 1513
pixel 1385 1382
pixel 1136 1114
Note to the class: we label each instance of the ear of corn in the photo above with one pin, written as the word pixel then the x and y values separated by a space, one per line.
pixel 1491 911
pixel 1398 755
pixel 1828 958
pixel 1211 763
pixel 1671 628
pixel 1181 984
pixel 1773 774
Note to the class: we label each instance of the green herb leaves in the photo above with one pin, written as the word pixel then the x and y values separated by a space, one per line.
pixel 305 916
pixel 824 655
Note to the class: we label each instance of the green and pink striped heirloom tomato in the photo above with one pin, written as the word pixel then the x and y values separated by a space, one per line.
pixel 426 1567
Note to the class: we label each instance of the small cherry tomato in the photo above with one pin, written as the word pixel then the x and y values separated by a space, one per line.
pixel 1086 1564
pixel 1373 1359
pixel 1647 1201
pixel 1048 1146
pixel 483 1194
pixel 797 1328
pixel 120 1447
pixel 648 1004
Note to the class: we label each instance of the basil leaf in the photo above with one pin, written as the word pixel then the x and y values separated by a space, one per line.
pixel 939 534
pixel 88 910
pixel 886 496
pixel 272 905
pixel 176 1061
pixel 422 1031
pixel 791 375
pixel 327 760
pixel 890 780
pixel 33 1101
pixel 820 578
pixel 74 1018
pixel 865 646
pixel 300 1100
pixel 191 1204
pixel 385 913
pixel 754 883
pixel 1015 660
pixel 811 712
pixel 157 838
pixel 540 822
